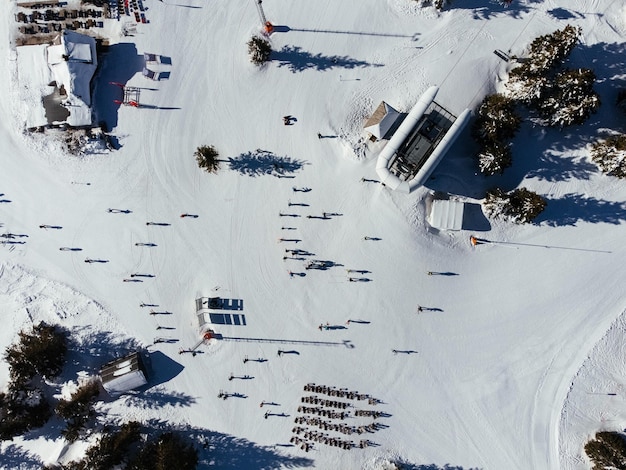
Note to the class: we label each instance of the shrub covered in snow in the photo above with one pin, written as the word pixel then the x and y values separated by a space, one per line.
pixel 607 451
pixel 524 87
pixel 520 205
pixel 206 157
pixel 571 98
pixel 259 50
pixel 610 155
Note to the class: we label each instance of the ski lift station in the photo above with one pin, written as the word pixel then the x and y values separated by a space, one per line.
pixel 124 374
pixel 419 144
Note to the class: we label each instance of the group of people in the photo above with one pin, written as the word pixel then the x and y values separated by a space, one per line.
pixel 303 435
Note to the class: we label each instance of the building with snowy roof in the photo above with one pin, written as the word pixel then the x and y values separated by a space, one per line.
pixel 124 374
pixel 446 214
pixel 55 80
pixel 382 121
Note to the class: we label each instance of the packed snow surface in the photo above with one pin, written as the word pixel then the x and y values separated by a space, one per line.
pixel 488 375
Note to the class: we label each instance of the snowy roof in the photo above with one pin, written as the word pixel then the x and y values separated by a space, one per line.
pixel 72 65
pixel 124 374
pixel 381 120
pixel 446 214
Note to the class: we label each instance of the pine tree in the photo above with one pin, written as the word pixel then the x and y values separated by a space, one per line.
pixel 550 51
pixel 259 50
pixel 527 82
pixel 494 158
pixel 524 87
pixel 496 124
pixel 607 451
pixel 167 451
pixel 520 205
pixel 571 99
pixel 206 157
pixel 78 410
pixel 610 155
pixel 496 119
pixel 40 352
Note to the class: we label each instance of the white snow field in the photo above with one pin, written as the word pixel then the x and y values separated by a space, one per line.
pixel 489 376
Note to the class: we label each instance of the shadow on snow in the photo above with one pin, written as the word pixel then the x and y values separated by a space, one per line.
pixel 14 456
pixel 297 60
pixel 218 450
pixel 263 162
pixel 572 208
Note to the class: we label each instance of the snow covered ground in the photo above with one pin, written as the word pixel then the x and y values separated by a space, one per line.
pixel 493 376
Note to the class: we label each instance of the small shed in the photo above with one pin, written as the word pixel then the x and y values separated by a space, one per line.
pixel 381 122
pixel 124 374
pixel 446 214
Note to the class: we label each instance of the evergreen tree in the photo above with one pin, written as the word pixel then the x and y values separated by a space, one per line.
pixel 111 449
pixel 259 50
pixel 167 451
pixel 206 157
pixel 78 410
pixel 607 451
pixel 520 205
pixel 550 51
pixel 524 87
pixel 496 119
pixel 494 158
pixel 41 352
pixel 496 124
pixel 610 155
pixel 571 99
pixel 528 82
pixel 22 410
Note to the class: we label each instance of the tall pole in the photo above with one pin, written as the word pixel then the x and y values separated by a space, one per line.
pixel 267 26
pixel 259 8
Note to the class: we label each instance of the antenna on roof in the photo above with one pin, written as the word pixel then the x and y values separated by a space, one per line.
pixel 267 26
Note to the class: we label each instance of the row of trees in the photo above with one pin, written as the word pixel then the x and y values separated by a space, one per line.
pixel 557 97
pixel 554 96
pixel 129 449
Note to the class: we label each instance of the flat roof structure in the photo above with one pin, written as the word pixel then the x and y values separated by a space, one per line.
pixel 446 214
